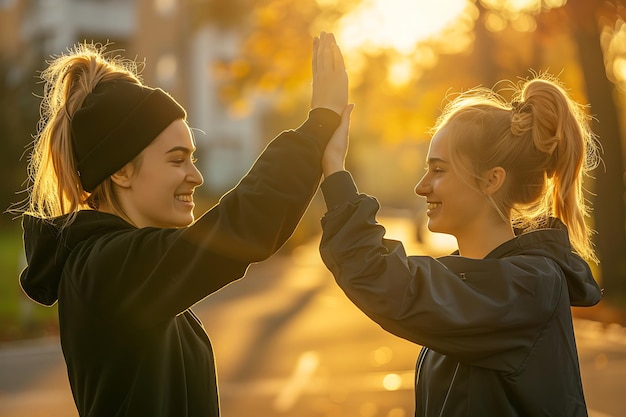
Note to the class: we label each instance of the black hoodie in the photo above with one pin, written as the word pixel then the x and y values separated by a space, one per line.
pixel 497 332
pixel 131 343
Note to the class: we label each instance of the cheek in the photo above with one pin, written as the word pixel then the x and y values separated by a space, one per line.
pixel 152 180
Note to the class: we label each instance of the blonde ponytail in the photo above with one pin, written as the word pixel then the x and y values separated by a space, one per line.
pixel 55 187
pixel 561 129
pixel 542 139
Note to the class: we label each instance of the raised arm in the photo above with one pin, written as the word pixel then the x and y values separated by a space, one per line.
pixel 258 216
pixel 251 221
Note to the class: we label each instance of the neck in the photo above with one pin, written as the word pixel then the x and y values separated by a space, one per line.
pixel 479 243
pixel 105 208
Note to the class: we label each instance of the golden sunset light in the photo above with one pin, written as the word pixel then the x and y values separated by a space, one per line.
pixel 399 27
pixel 325 208
pixel 396 24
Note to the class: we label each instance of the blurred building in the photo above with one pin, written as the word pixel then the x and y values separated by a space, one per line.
pixel 180 53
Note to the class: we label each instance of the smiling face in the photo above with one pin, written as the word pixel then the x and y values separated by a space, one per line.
pixel 455 205
pixel 158 191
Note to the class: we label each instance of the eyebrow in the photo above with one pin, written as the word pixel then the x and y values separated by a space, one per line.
pixel 181 149
pixel 431 161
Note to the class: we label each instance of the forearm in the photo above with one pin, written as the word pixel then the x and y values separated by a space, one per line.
pixel 255 219
pixel 355 251
pixel 420 298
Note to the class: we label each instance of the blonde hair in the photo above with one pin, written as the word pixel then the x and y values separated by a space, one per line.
pixel 542 139
pixel 54 184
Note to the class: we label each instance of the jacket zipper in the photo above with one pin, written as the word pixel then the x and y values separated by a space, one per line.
pixel 445 400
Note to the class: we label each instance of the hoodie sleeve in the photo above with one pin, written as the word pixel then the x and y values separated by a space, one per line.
pixel 254 220
pixel 150 274
pixel 468 309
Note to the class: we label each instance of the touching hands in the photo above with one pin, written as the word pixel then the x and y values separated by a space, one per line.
pixel 330 80
pixel 334 157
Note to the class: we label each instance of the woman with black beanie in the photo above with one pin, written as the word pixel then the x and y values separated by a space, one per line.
pixel 110 235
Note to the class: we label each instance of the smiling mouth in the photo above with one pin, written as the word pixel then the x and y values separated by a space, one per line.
pixel 186 198
pixel 432 206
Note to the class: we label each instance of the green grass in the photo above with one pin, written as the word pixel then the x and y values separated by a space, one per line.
pixel 19 316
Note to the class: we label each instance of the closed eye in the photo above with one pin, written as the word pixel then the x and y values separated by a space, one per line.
pixel 435 165
pixel 180 161
pixel 435 169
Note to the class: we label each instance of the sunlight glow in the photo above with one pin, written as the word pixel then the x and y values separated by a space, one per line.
pixel 404 30
pixel 614 45
pixel 524 23
pixel 396 412
pixel 305 368
pixel 392 382
pixel 396 24
pixel 495 22
pixel 514 8
pixel 382 356
pixel 619 68
pixel 400 72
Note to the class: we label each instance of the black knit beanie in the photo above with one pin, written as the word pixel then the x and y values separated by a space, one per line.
pixel 115 123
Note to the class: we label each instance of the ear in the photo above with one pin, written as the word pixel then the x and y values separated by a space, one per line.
pixel 122 177
pixel 493 180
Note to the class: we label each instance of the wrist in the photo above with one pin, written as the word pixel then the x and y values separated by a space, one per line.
pixel 329 168
pixel 337 109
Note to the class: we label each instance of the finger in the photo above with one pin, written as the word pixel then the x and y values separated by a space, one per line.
pixel 347 112
pixel 320 52
pixel 339 63
pixel 344 123
pixel 327 54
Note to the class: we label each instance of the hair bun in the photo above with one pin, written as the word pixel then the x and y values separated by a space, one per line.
pixel 521 118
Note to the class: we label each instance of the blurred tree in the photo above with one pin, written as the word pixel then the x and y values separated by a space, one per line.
pixel 509 41
pixel 484 47
pixel 218 12
pixel 18 117
pixel 276 51
pixel 585 20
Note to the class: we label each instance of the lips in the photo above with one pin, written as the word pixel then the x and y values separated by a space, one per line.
pixel 186 198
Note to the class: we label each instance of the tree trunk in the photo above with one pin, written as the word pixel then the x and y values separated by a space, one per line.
pixel 483 54
pixel 608 212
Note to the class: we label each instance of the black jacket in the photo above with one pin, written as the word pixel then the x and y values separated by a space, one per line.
pixel 131 343
pixel 497 332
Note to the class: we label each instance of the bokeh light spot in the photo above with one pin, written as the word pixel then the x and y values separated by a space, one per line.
pixel 392 382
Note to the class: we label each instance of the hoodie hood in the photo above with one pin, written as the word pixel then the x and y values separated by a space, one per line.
pixel 553 242
pixel 48 245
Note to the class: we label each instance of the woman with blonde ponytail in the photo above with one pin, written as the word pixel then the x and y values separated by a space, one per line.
pixel 110 232
pixel 494 319
pixel 68 80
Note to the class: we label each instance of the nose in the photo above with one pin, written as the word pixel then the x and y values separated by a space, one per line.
pixel 423 186
pixel 194 176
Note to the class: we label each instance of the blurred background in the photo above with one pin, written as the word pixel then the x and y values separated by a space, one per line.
pixel 241 68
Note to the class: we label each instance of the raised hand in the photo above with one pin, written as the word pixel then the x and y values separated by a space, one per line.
pixel 330 80
pixel 334 157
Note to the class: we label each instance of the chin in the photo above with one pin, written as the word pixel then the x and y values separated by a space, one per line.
pixel 177 223
pixel 185 223
pixel 435 229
